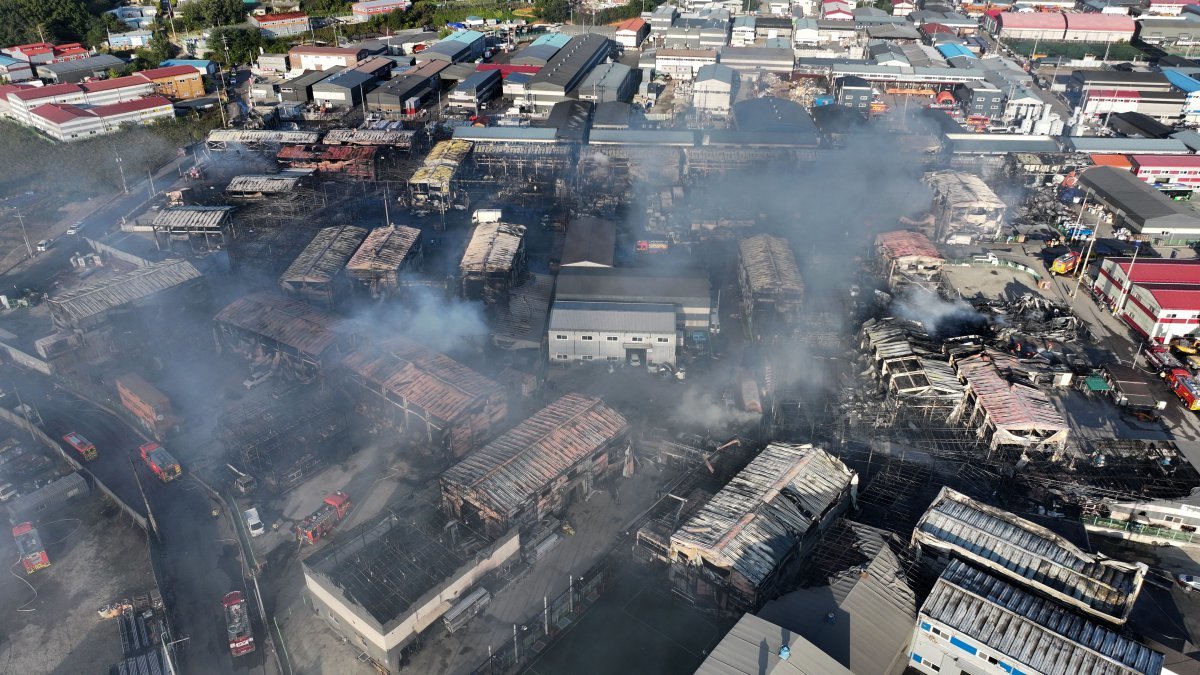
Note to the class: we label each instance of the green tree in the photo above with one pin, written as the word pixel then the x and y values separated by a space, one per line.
pixel 554 11
pixel 160 49
pixel 243 44
pixel 46 20
pixel 214 12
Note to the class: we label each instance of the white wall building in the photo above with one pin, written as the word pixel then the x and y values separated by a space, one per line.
pixel 65 122
pixel 715 89
pixel 682 64
pixel 612 332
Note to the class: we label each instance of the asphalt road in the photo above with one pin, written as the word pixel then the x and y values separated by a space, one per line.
pixel 199 563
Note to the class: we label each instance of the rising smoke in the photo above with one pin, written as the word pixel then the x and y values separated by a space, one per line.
pixel 941 318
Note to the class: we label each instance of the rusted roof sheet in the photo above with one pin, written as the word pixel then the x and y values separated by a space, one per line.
pixel 515 467
pixel 1009 406
pixel 906 243
pixel 1031 555
pixel 771 266
pixel 760 515
pixel 439 385
pixel 493 248
pixel 123 289
pixel 384 250
pixel 289 322
pixel 1031 630
pixel 325 255
pixel 961 190
pixel 521 322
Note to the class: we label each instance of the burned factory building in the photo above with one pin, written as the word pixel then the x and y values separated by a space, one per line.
pixel 388 582
pixel 738 548
pixel 493 262
pixel 538 467
pixel 771 286
pixel 282 335
pixel 384 257
pixel 318 273
pixel 193 229
pixel 450 408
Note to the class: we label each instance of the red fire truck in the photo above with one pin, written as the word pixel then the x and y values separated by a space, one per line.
pixel 83 446
pixel 1175 374
pixel 160 462
pixel 237 624
pixel 29 545
pixel 332 511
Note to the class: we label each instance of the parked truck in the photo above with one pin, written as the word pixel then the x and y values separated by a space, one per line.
pixel 29 546
pixel 335 508
pixel 83 446
pixel 237 624
pixel 160 462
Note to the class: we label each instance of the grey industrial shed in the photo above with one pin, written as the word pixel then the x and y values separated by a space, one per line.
pixel 1140 206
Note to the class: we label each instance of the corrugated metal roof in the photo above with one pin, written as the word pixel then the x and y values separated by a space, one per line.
pixel 262 136
pixel 493 248
pixel 764 511
pixel 401 138
pixel 516 466
pixel 1031 555
pixel 1010 407
pixel 1140 203
pixel 193 218
pixel 612 316
pixel 325 255
pixel 439 385
pixel 52 494
pixel 1030 631
pixel 124 288
pixel 906 243
pixel 384 250
pixel 771 265
pixel 521 322
pixel 290 322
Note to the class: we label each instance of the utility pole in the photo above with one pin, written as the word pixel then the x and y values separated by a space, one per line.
pixel 145 501
pixel 21 220
pixel 221 83
pixel 121 168
pixel 150 173
pixel 1127 287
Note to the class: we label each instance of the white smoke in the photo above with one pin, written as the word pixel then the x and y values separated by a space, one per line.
pixel 937 314
pixel 698 408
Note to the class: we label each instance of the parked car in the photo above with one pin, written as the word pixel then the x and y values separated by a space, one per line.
pixel 44 245
pixel 256 379
pixel 1188 582
pixel 75 228
pixel 253 523
pixel 7 492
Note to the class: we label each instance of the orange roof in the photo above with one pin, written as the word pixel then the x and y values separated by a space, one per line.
pixel 1119 161
pixel 634 24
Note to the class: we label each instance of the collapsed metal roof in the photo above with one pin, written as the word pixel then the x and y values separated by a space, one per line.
pixel 906 243
pixel 771 266
pixel 263 184
pixel 324 256
pixel 398 138
pixel 1016 413
pixel 439 385
pixel 493 248
pixel 1031 555
pixel 123 289
pixel 384 250
pixel 517 465
pixel 963 190
pixel 1031 630
pixel 289 322
pixel 760 515
pixel 521 322
pixel 262 136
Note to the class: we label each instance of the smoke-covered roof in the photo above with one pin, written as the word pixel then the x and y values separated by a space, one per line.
pixel 770 266
pixel 123 289
pixel 511 470
pixel 756 520
pixel 384 250
pixel 325 256
pixel 961 190
pixel 289 322
pixel 493 248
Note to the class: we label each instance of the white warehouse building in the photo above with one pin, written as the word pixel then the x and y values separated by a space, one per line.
pixel 715 89
pixel 612 332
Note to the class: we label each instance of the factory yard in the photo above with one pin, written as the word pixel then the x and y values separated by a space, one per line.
pixel 97 557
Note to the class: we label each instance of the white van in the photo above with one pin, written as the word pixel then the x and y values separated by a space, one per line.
pixel 253 523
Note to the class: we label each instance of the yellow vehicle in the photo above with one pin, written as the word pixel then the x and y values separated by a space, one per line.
pixel 1184 346
pixel 1065 263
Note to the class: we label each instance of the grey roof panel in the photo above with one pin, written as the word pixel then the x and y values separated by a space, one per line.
pixel 612 316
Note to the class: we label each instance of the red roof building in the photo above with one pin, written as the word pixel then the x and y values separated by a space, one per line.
pixel 1031 25
pixel 1159 298
pixel 97 86
pixel 44 52
pixel 49 91
pixel 168 71
pixel 1181 169
pixel 507 69
pixel 66 122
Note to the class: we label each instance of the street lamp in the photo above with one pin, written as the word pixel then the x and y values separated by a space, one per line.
pixel 121 168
